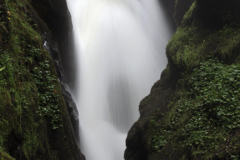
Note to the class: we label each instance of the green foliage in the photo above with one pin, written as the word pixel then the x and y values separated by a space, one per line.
pixel 207 112
pixel 34 52
pixel 229 45
pixel 28 85
pixel 203 117
pixel 189 14
pixel 48 97
pixel 31 107
pixel 5 156
pixel 192 43
pixel 6 71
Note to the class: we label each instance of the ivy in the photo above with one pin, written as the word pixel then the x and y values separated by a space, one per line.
pixel 34 52
pixel 207 113
pixel 48 97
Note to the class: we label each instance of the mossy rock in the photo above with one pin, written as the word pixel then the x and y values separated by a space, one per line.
pixel 5 156
pixel 34 120
pixel 194 42
pixel 204 48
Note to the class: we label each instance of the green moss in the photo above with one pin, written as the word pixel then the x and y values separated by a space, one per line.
pixel 5 97
pixel 229 44
pixel 5 156
pixel 32 107
pixel 193 43
pixel 188 17
pixel 202 121
pixel 204 115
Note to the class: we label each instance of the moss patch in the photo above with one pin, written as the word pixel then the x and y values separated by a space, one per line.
pixel 32 109
pixel 203 115
pixel 193 43
pixel 199 119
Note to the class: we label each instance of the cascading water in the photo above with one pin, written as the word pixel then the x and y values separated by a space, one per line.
pixel 120 51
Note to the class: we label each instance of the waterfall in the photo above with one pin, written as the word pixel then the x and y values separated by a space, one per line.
pixel 120 53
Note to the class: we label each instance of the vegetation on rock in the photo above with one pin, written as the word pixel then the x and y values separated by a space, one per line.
pixel 205 118
pixel 192 112
pixel 34 122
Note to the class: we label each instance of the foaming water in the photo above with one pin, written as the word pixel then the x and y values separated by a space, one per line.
pixel 120 51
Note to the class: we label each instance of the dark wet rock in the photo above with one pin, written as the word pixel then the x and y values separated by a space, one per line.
pixel 168 6
pixel 51 20
pixel 73 113
pixel 138 146
pixel 181 7
pixel 176 9
pixel 216 22
pixel 218 13
pixel 58 43
pixel 56 35
pixel 57 17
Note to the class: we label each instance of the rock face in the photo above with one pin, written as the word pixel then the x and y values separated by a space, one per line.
pixel 57 17
pixel 181 7
pixel 191 112
pixel 58 43
pixel 168 5
pixel 35 121
pixel 176 9
pixel 138 146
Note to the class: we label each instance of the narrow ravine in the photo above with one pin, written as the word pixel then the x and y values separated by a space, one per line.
pixel 120 52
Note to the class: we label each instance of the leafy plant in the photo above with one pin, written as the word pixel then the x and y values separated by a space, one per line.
pixel 48 97
pixel 207 113
pixel 34 52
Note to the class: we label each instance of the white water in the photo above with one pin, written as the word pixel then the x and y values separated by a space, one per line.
pixel 120 51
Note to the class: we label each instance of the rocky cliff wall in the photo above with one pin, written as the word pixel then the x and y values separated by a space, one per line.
pixel 34 119
pixel 58 42
pixel 192 111
pixel 175 10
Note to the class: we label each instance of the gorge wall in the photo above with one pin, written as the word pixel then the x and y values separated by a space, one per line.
pixel 35 122
pixel 175 10
pixel 192 111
